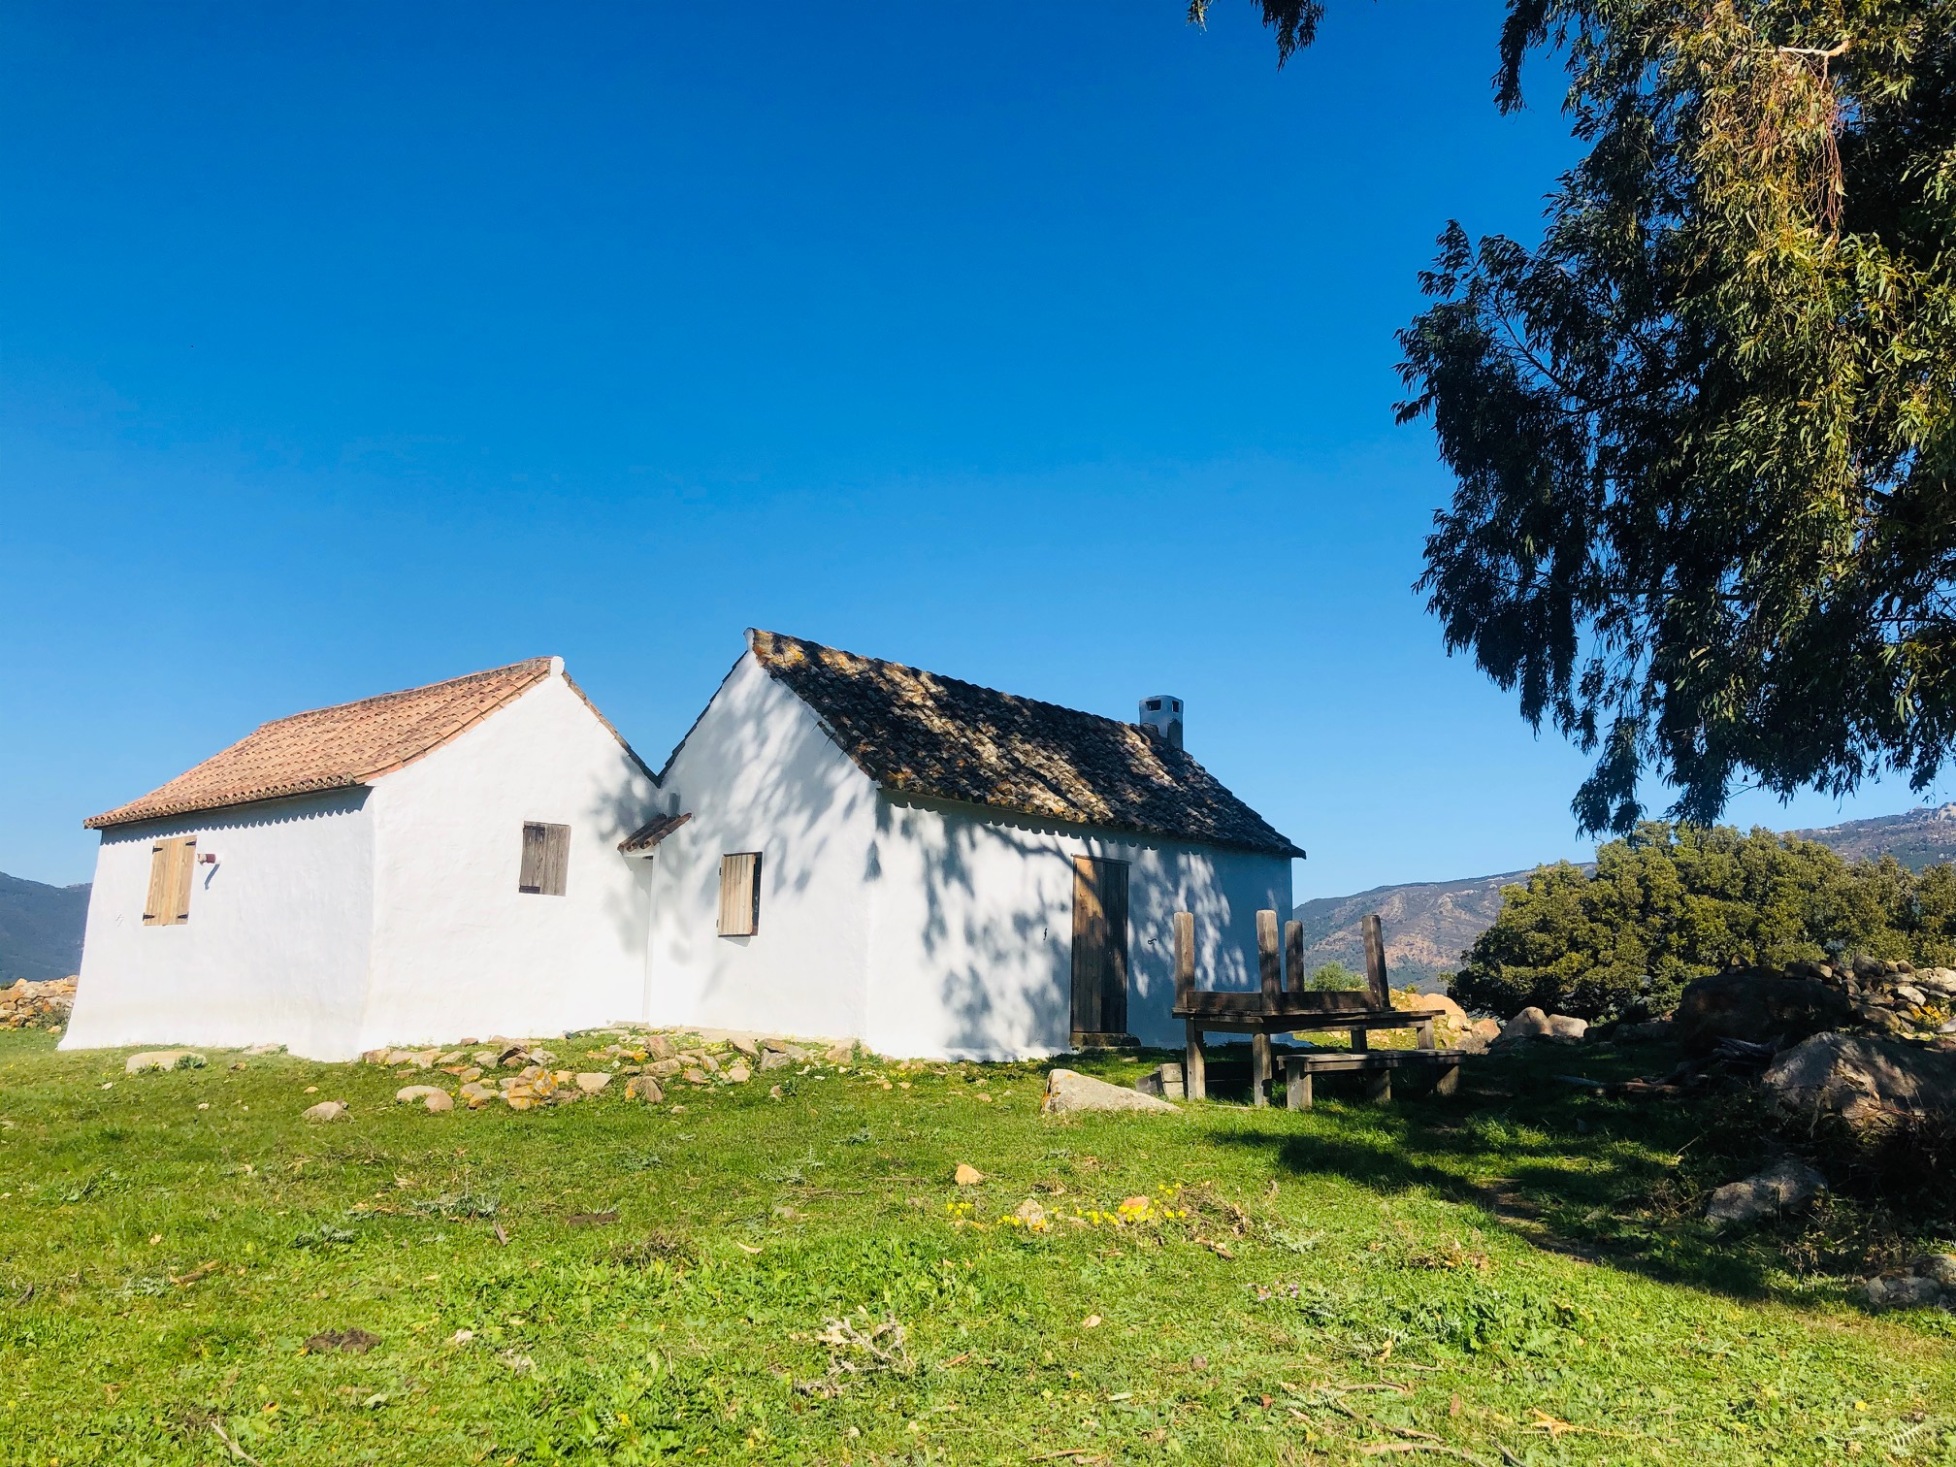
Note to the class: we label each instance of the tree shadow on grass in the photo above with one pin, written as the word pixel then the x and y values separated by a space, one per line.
pixel 1571 1171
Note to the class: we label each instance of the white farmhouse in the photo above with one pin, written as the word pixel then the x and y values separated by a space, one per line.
pixel 426 864
pixel 850 846
pixel 840 847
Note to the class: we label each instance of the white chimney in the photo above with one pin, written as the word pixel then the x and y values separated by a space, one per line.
pixel 1161 718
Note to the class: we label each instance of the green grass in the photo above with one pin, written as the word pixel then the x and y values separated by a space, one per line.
pixel 1515 1274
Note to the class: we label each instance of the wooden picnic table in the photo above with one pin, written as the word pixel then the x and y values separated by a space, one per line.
pixel 1273 1008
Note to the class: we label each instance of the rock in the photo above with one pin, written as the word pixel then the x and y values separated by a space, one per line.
pixel 420 1059
pixel 739 1073
pixel 658 1047
pixel 1939 981
pixel 967 1175
pixel 1567 1030
pixel 326 1110
pixel 1938 1266
pixel 591 1082
pixel 1450 1012
pixel 665 1067
pixel 1530 1023
pixel 1030 1213
pixel 645 1088
pixel 1785 1186
pixel 694 1077
pixel 1903 1293
pixel 1860 1078
pixel 1755 1005
pixel 476 1095
pixel 163 1059
pixel 841 1053
pixel 1068 1091
pixel 432 1097
pixel 775 1059
pixel 745 1045
pixel 1488 1030
pixel 1909 994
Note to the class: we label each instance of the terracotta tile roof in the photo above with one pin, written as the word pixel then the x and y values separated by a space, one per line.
pixel 651 833
pixel 334 748
pixel 916 733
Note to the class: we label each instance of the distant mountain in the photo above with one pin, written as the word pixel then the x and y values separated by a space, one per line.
pixel 40 929
pixel 1429 924
pixel 1917 839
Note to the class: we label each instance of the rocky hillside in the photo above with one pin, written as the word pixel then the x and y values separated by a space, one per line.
pixel 1919 838
pixel 40 929
pixel 1427 924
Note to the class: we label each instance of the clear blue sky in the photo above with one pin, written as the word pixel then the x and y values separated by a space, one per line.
pixel 348 347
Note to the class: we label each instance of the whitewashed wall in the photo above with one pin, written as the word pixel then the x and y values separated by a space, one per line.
pixel 276 948
pixel 389 914
pixel 758 773
pixel 972 955
pixel 458 950
pixel 926 930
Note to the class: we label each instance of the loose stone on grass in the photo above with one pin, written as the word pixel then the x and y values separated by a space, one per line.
pixel 1068 1091
pixel 432 1097
pixel 326 1110
pixel 163 1059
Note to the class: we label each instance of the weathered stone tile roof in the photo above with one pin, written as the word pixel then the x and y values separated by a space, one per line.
pixel 915 733
pixel 334 748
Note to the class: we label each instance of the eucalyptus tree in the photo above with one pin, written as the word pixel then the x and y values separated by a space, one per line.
pixel 1704 519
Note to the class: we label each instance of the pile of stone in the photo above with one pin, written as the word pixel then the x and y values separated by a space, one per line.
pixel 35 1005
pixel 1930 1280
pixel 529 1076
pixel 1781 1007
pixel 1535 1023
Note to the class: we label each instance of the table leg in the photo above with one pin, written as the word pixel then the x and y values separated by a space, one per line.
pixel 1424 1030
pixel 1195 1071
pixel 1259 1069
pixel 1379 1086
pixel 1449 1081
pixel 1361 1039
pixel 1297 1083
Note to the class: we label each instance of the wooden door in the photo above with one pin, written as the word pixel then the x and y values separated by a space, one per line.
pixel 1099 946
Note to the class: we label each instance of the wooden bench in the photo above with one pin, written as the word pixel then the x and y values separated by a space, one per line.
pixel 1275 1009
pixel 1376 1065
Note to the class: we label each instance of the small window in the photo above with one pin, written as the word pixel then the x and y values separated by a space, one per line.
pixel 740 894
pixel 546 852
pixel 170 865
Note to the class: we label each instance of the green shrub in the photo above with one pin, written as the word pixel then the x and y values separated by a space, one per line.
pixel 1673 903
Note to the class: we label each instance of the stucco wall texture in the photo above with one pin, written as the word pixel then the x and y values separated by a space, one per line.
pixel 391 915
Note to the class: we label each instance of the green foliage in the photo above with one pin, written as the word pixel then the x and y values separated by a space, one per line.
pixel 1673 903
pixel 1334 977
pixel 1704 433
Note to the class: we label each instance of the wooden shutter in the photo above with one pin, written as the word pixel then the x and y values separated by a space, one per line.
pixel 546 858
pixel 1099 946
pixel 156 906
pixel 740 894
pixel 186 868
pixel 172 864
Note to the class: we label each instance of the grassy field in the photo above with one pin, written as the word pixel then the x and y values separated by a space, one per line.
pixel 1515 1275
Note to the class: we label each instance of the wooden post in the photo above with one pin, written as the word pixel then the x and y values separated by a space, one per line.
pixel 1423 1032
pixel 1269 962
pixel 1195 1069
pixel 1293 957
pixel 1449 1081
pixel 1259 1069
pixel 1297 1082
pixel 1361 1038
pixel 1375 964
pixel 1184 958
pixel 1378 1086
